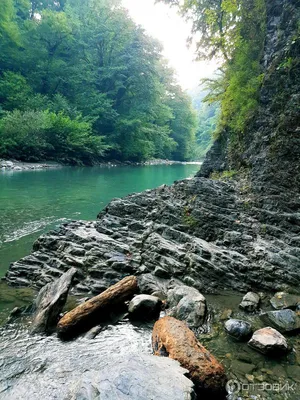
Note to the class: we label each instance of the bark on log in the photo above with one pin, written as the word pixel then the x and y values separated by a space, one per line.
pixel 172 338
pixel 95 310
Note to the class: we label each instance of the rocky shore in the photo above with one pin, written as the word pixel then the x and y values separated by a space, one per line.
pixel 14 165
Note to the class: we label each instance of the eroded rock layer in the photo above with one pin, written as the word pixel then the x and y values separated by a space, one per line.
pixel 202 232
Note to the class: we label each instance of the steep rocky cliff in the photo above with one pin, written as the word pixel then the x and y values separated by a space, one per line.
pixel 271 142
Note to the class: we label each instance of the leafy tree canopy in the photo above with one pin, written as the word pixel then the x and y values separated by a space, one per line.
pixel 95 83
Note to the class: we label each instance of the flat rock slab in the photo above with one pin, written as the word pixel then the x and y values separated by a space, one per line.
pixel 284 320
pixel 134 377
pixel 50 302
pixel 268 341
pixel 172 338
pixel 283 300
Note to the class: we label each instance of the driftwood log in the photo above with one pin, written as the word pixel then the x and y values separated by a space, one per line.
pixel 172 338
pixel 97 309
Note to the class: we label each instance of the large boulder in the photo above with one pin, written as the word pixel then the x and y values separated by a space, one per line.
pixel 284 320
pixel 177 293
pixel 192 310
pixel 238 329
pixel 172 338
pixel 268 341
pixel 283 300
pixel 50 302
pixel 250 302
pixel 187 304
pixel 145 307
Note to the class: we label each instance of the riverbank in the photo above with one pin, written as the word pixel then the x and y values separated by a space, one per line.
pixel 15 165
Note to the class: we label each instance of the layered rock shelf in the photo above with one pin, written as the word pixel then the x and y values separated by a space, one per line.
pixel 201 232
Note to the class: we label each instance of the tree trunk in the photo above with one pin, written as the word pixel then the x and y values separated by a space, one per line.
pixel 97 309
pixel 172 338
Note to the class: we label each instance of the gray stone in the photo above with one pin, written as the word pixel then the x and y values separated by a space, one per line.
pixel 192 310
pixel 250 302
pixel 144 307
pixel 134 377
pixel 284 320
pixel 162 273
pixel 160 294
pixel 175 295
pixel 149 283
pixel 50 302
pixel 238 329
pixel 283 300
pixel 92 333
pixel 268 341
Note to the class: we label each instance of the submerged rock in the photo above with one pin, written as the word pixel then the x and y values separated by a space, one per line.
pixel 268 341
pixel 239 329
pixel 226 314
pixel 283 300
pixel 284 320
pixel 144 307
pixel 50 302
pixel 172 338
pixel 250 302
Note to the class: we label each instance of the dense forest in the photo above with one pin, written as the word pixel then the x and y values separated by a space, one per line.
pixel 81 82
pixel 208 114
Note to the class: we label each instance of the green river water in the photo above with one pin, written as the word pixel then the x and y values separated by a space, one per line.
pixel 33 202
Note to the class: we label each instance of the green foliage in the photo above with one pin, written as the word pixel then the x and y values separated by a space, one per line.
pixel 188 219
pixel 183 124
pixel 89 62
pixel 8 27
pixel 214 24
pixel 22 134
pixel 225 175
pixel 39 135
pixel 208 116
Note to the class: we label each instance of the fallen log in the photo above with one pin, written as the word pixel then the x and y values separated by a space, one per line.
pixel 97 309
pixel 172 338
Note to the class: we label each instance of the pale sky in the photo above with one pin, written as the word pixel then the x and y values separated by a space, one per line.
pixel 163 23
